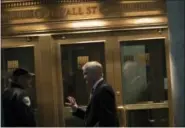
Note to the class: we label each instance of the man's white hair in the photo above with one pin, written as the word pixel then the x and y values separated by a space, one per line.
pixel 92 65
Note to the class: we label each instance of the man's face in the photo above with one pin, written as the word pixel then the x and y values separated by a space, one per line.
pixel 25 81
pixel 88 76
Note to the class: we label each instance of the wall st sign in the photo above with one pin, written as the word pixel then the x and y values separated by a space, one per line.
pixel 66 12
pixel 26 17
pixel 78 11
pixel 51 13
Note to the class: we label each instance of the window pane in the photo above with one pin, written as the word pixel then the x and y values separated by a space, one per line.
pixel 73 58
pixel 18 58
pixel 143 71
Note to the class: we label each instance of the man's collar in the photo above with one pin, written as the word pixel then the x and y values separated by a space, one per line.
pixel 97 82
pixel 16 85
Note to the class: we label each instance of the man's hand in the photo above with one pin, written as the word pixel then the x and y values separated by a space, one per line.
pixel 72 103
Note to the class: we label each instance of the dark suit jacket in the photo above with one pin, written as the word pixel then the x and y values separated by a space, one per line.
pixel 16 112
pixel 101 110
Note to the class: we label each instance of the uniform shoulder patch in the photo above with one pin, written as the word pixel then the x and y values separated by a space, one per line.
pixel 26 101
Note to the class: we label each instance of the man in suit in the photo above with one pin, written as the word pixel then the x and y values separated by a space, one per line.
pixel 101 110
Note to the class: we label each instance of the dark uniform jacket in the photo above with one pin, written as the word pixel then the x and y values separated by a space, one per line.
pixel 17 107
pixel 101 110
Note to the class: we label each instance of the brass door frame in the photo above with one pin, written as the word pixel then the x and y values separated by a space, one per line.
pixel 108 60
pixel 112 58
pixel 107 47
pixel 10 43
pixel 113 63
pixel 142 35
pixel 21 43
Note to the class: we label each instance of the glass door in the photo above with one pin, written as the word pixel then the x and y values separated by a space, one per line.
pixel 137 70
pixel 18 57
pixel 73 56
pixel 143 71
pixel 144 83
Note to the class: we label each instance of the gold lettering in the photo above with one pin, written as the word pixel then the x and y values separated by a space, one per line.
pixel 60 12
pixel 88 10
pixel 74 12
pixel 94 10
pixel 77 11
pixel 65 12
pixel 80 11
pixel 68 12
pixel 91 10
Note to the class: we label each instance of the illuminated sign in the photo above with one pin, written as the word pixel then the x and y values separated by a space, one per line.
pixel 141 58
pixel 12 64
pixel 81 60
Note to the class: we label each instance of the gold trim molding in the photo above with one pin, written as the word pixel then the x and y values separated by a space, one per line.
pixel 17 17
pixel 79 11
pixel 77 26
pixel 20 3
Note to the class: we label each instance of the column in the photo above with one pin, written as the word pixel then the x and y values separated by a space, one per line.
pixel 175 11
pixel 48 89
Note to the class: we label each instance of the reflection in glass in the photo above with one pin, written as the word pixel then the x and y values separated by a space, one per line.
pixel 73 58
pixel 143 71
pixel 147 118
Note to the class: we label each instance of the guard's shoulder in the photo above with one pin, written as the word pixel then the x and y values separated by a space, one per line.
pixel 18 91
pixel 12 93
pixel 22 96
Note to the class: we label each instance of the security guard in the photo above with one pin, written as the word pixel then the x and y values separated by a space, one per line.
pixel 16 102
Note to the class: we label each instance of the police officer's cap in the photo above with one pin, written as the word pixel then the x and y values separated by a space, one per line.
pixel 20 72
